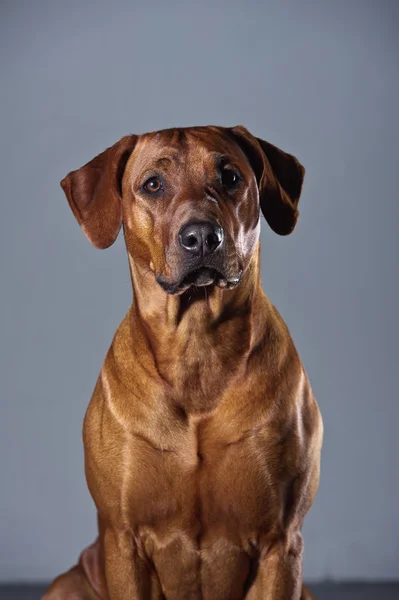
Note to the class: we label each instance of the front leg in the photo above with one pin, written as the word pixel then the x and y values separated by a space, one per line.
pixel 128 572
pixel 279 573
pixel 279 577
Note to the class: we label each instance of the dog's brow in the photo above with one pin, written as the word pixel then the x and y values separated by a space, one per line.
pixel 165 161
pixel 162 163
pixel 223 158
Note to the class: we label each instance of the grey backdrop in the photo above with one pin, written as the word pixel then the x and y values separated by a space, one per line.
pixel 320 80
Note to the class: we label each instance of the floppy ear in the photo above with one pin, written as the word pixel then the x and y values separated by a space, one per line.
pixel 279 176
pixel 94 193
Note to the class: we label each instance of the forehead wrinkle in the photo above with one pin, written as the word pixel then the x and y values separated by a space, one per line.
pixel 165 161
pixel 151 157
pixel 215 143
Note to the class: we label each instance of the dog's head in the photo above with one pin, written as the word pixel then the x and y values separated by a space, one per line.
pixel 189 200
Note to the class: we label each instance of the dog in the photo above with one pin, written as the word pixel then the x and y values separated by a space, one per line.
pixel 202 438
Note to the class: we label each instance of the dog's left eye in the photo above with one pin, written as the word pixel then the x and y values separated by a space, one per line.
pixel 230 178
pixel 153 185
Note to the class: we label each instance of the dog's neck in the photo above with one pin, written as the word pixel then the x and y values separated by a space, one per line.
pixel 192 337
pixel 198 308
pixel 224 322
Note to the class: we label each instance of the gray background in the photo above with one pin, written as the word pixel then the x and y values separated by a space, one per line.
pixel 320 80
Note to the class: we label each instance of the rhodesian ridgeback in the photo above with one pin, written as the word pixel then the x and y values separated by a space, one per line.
pixel 202 438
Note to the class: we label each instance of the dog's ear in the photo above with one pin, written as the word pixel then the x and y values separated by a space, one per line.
pixel 94 193
pixel 279 176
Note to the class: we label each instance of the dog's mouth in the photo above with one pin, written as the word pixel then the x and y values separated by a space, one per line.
pixel 200 277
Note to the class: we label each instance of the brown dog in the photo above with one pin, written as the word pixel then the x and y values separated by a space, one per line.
pixel 202 438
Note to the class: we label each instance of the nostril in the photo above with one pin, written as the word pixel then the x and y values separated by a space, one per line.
pixel 212 240
pixel 190 241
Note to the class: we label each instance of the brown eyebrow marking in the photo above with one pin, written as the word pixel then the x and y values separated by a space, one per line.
pixel 162 163
pixel 221 158
pixel 165 161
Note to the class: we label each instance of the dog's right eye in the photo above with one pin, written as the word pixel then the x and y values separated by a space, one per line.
pixel 153 185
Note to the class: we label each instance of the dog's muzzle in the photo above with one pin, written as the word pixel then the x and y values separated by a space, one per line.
pixel 202 259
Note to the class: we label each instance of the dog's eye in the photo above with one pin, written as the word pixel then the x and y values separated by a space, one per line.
pixel 230 178
pixel 153 185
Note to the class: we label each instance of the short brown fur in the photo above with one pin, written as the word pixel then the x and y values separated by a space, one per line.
pixel 202 438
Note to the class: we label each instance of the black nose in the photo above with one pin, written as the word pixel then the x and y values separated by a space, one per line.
pixel 201 238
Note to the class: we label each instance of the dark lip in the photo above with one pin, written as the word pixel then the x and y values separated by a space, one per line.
pixel 202 276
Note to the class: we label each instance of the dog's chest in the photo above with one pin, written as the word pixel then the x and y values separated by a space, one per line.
pixel 219 477
pixel 203 501
pixel 201 487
